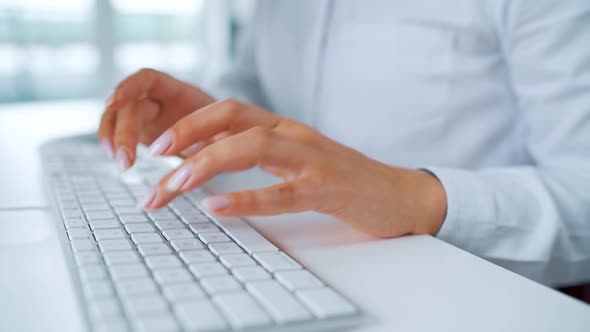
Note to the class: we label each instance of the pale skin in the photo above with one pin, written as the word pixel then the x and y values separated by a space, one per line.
pixel 216 136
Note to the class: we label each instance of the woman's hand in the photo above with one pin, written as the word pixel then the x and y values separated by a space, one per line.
pixel 141 108
pixel 319 174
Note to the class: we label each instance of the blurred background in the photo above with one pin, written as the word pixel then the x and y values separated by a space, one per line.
pixel 69 49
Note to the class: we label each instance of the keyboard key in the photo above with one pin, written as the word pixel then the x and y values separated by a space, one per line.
pixel 159 323
pixel 278 301
pixel 113 245
pixel 208 238
pixel 92 273
pixel 177 234
pixel 78 233
pixel 128 271
pixel 109 234
pixel 207 319
pixel 276 261
pixel 76 222
pixel 121 257
pixel 72 214
pixel 324 302
pixel 98 289
pixel 104 309
pixel 194 218
pixel 225 248
pixel 186 244
pixel 93 215
pixel 139 238
pixel 123 203
pixel 79 245
pixel 132 218
pixel 203 228
pixel 250 273
pixel 139 228
pixel 196 256
pixel 125 210
pixel 162 261
pixel 169 276
pixel 183 291
pixel 150 249
pixel 298 279
pixel 236 260
pixel 131 287
pixel 247 237
pixel 96 207
pixel 87 258
pixel 169 224
pixel 97 199
pixel 162 215
pixel 145 305
pixel 220 284
pixel 103 223
pixel 241 310
pixel 201 270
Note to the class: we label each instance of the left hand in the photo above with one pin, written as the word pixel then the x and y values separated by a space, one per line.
pixel 319 174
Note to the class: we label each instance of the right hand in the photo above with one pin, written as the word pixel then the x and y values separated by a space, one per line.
pixel 141 108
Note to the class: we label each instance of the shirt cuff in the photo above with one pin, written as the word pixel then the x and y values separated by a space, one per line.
pixel 470 208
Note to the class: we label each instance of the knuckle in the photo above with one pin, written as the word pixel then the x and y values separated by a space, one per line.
pixel 287 192
pixel 262 137
pixel 182 128
pixel 251 201
pixel 261 134
pixel 206 159
pixel 231 108
pixel 305 134
pixel 231 103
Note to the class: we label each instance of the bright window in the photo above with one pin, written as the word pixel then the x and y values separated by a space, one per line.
pixel 53 49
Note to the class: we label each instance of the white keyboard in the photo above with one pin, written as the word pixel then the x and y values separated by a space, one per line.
pixel 175 269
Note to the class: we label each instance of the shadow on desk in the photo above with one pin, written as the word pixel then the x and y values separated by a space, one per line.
pixel 580 292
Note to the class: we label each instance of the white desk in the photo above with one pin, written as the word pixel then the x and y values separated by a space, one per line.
pixel 409 284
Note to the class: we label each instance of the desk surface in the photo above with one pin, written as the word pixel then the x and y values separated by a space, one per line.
pixel 416 283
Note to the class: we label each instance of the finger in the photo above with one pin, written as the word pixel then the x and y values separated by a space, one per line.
pixel 284 197
pixel 145 83
pixel 128 130
pixel 227 115
pixel 238 152
pixel 106 130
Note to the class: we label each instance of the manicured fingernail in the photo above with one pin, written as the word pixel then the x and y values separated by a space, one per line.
pixel 109 99
pixel 107 146
pixel 147 199
pixel 217 203
pixel 179 178
pixel 194 149
pixel 122 159
pixel 161 144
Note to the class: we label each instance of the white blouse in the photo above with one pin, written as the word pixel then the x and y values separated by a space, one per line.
pixel 491 96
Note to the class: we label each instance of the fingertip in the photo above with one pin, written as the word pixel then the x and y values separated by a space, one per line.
pixel 179 178
pixel 107 146
pixel 110 99
pixel 146 202
pixel 123 159
pixel 161 144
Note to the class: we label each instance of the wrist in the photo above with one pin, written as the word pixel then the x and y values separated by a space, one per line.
pixel 429 192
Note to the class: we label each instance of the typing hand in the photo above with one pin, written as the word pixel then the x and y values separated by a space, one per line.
pixel 141 108
pixel 319 174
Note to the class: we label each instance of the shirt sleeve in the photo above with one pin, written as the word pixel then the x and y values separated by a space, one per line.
pixel 535 219
pixel 240 80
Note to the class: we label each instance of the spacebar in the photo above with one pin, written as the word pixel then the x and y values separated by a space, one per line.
pixel 245 235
